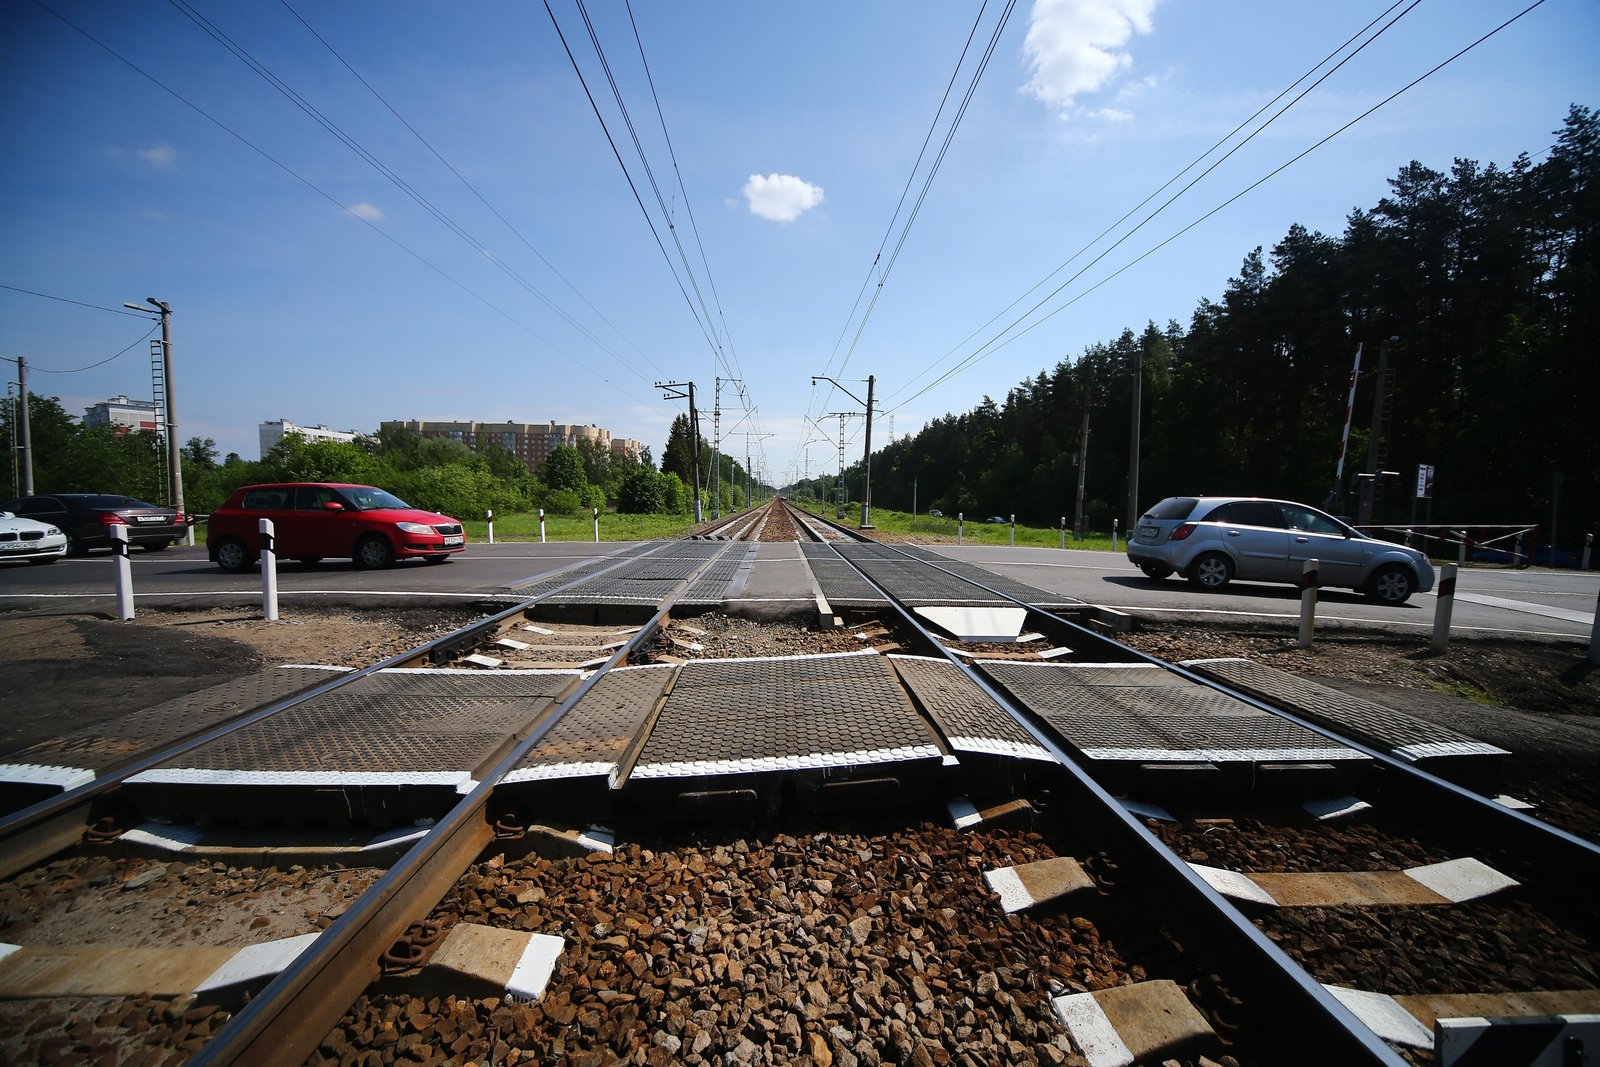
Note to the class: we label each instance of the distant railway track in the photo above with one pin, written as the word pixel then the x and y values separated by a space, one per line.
pixel 1256 967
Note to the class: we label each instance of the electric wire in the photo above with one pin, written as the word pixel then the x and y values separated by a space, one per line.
pixel 470 187
pixel 1164 186
pixel 349 141
pixel 79 370
pixel 980 353
pixel 628 176
pixel 291 172
pixel 65 300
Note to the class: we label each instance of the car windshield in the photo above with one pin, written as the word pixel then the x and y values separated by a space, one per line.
pixel 369 499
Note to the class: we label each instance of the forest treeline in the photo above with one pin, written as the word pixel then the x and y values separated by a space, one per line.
pixel 1487 280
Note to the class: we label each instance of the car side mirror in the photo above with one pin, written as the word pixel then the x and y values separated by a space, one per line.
pixel 332 505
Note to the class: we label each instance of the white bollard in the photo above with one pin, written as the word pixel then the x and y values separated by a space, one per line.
pixel 489 518
pixel 1446 603
pixel 541 526
pixel 597 526
pixel 269 572
pixel 1588 549
pixel 1063 532
pixel 1308 601
pixel 1114 523
pixel 961 523
pixel 119 551
pixel 1013 530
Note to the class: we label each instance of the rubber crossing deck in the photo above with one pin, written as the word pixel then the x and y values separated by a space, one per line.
pixel 969 720
pixel 650 579
pixel 80 755
pixel 1142 713
pixel 904 571
pixel 1403 736
pixel 800 713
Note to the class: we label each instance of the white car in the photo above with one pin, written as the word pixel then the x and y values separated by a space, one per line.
pixel 36 542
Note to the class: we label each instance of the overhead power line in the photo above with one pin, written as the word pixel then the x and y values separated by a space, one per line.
pixel 994 340
pixel 65 300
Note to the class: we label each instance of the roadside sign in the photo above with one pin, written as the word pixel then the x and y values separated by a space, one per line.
pixel 1424 481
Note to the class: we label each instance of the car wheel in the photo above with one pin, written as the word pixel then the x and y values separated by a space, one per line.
pixel 1211 572
pixel 232 557
pixel 75 546
pixel 1391 585
pixel 436 559
pixel 309 561
pixel 373 553
pixel 1157 571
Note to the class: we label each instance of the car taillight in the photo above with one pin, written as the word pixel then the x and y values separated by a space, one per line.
pixel 178 519
pixel 111 518
pixel 1180 532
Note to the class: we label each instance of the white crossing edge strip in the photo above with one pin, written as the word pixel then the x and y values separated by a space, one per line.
pixel 1457 1037
pixel 1334 808
pixel 535 966
pixel 1384 1016
pixel 1462 879
pixel 964 813
pixel 254 962
pixel 1233 884
pixel 1102 1046
pixel 63 778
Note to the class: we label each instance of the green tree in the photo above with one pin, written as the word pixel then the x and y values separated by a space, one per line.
pixel 563 469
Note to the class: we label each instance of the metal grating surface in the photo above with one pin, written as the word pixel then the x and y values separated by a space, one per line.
pixel 390 724
pixel 969 719
pixel 1402 735
pixel 651 580
pixel 1121 712
pixel 542 586
pixel 793 713
pixel 594 734
pixel 114 741
pixel 712 587
pixel 839 583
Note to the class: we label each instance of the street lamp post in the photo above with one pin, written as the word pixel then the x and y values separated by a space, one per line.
pixel 866 459
pixel 174 452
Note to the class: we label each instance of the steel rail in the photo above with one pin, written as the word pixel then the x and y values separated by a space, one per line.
pixel 286 1021
pixel 46 827
pixel 1322 1030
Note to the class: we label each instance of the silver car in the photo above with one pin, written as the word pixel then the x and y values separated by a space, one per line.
pixel 1211 540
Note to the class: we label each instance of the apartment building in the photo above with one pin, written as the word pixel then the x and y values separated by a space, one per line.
pixel 273 432
pixel 530 442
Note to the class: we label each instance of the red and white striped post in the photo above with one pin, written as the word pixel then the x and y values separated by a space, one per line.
pixel 488 517
pixel 541 526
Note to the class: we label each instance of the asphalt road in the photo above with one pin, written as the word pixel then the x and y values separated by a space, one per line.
pixel 1535 601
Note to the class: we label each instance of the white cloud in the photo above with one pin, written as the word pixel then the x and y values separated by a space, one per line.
pixel 780 197
pixel 1074 46
pixel 364 210
pixel 159 156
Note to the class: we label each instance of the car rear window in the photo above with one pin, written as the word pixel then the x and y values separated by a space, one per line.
pixel 1174 507
pixel 1248 513
pixel 113 502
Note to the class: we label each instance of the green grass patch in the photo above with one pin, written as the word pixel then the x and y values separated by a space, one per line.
pixel 613 527
pixel 889 521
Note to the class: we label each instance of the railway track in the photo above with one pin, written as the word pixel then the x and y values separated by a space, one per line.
pixel 753 907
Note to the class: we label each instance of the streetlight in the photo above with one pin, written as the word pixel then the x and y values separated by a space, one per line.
pixel 174 454
pixel 866 459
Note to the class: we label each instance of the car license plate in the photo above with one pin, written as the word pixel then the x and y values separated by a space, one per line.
pixel 149 518
pixel 456 540
pixel 1148 532
pixel 17 546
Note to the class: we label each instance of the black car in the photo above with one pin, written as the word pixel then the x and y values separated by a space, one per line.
pixel 87 519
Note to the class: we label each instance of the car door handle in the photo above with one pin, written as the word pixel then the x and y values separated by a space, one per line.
pixel 1233 533
pixel 1302 540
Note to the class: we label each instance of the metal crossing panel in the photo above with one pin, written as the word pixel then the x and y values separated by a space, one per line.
pixel 592 737
pixel 1142 713
pixel 784 714
pixel 400 726
pixel 1401 735
pixel 970 721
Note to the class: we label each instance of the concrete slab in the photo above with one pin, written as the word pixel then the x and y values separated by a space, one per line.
pixel 1441 883
pixel 1146 1022
pixel 978 623
pixel 1030 884
pixel 97 971
pixel 1384 1016
pixel 512 963
pixel 1428 1008
pixel 965 815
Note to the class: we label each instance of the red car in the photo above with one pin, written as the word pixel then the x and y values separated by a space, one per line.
pixel 314 520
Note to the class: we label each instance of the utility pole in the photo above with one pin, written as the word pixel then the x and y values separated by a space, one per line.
pixel 676 391
pixel 1133 446
pixel 1083 472
pixel 841 416
pixel 866 459
pixel 27 432
pixel 747 469
pixel 174 450
pixel 716 446
pixel 1369 484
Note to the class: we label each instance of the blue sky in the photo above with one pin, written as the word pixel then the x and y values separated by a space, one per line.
pixel 307 285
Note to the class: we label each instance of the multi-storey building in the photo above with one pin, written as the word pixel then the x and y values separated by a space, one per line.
pixel 530 442
pixel 273 432
pixel 121 412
